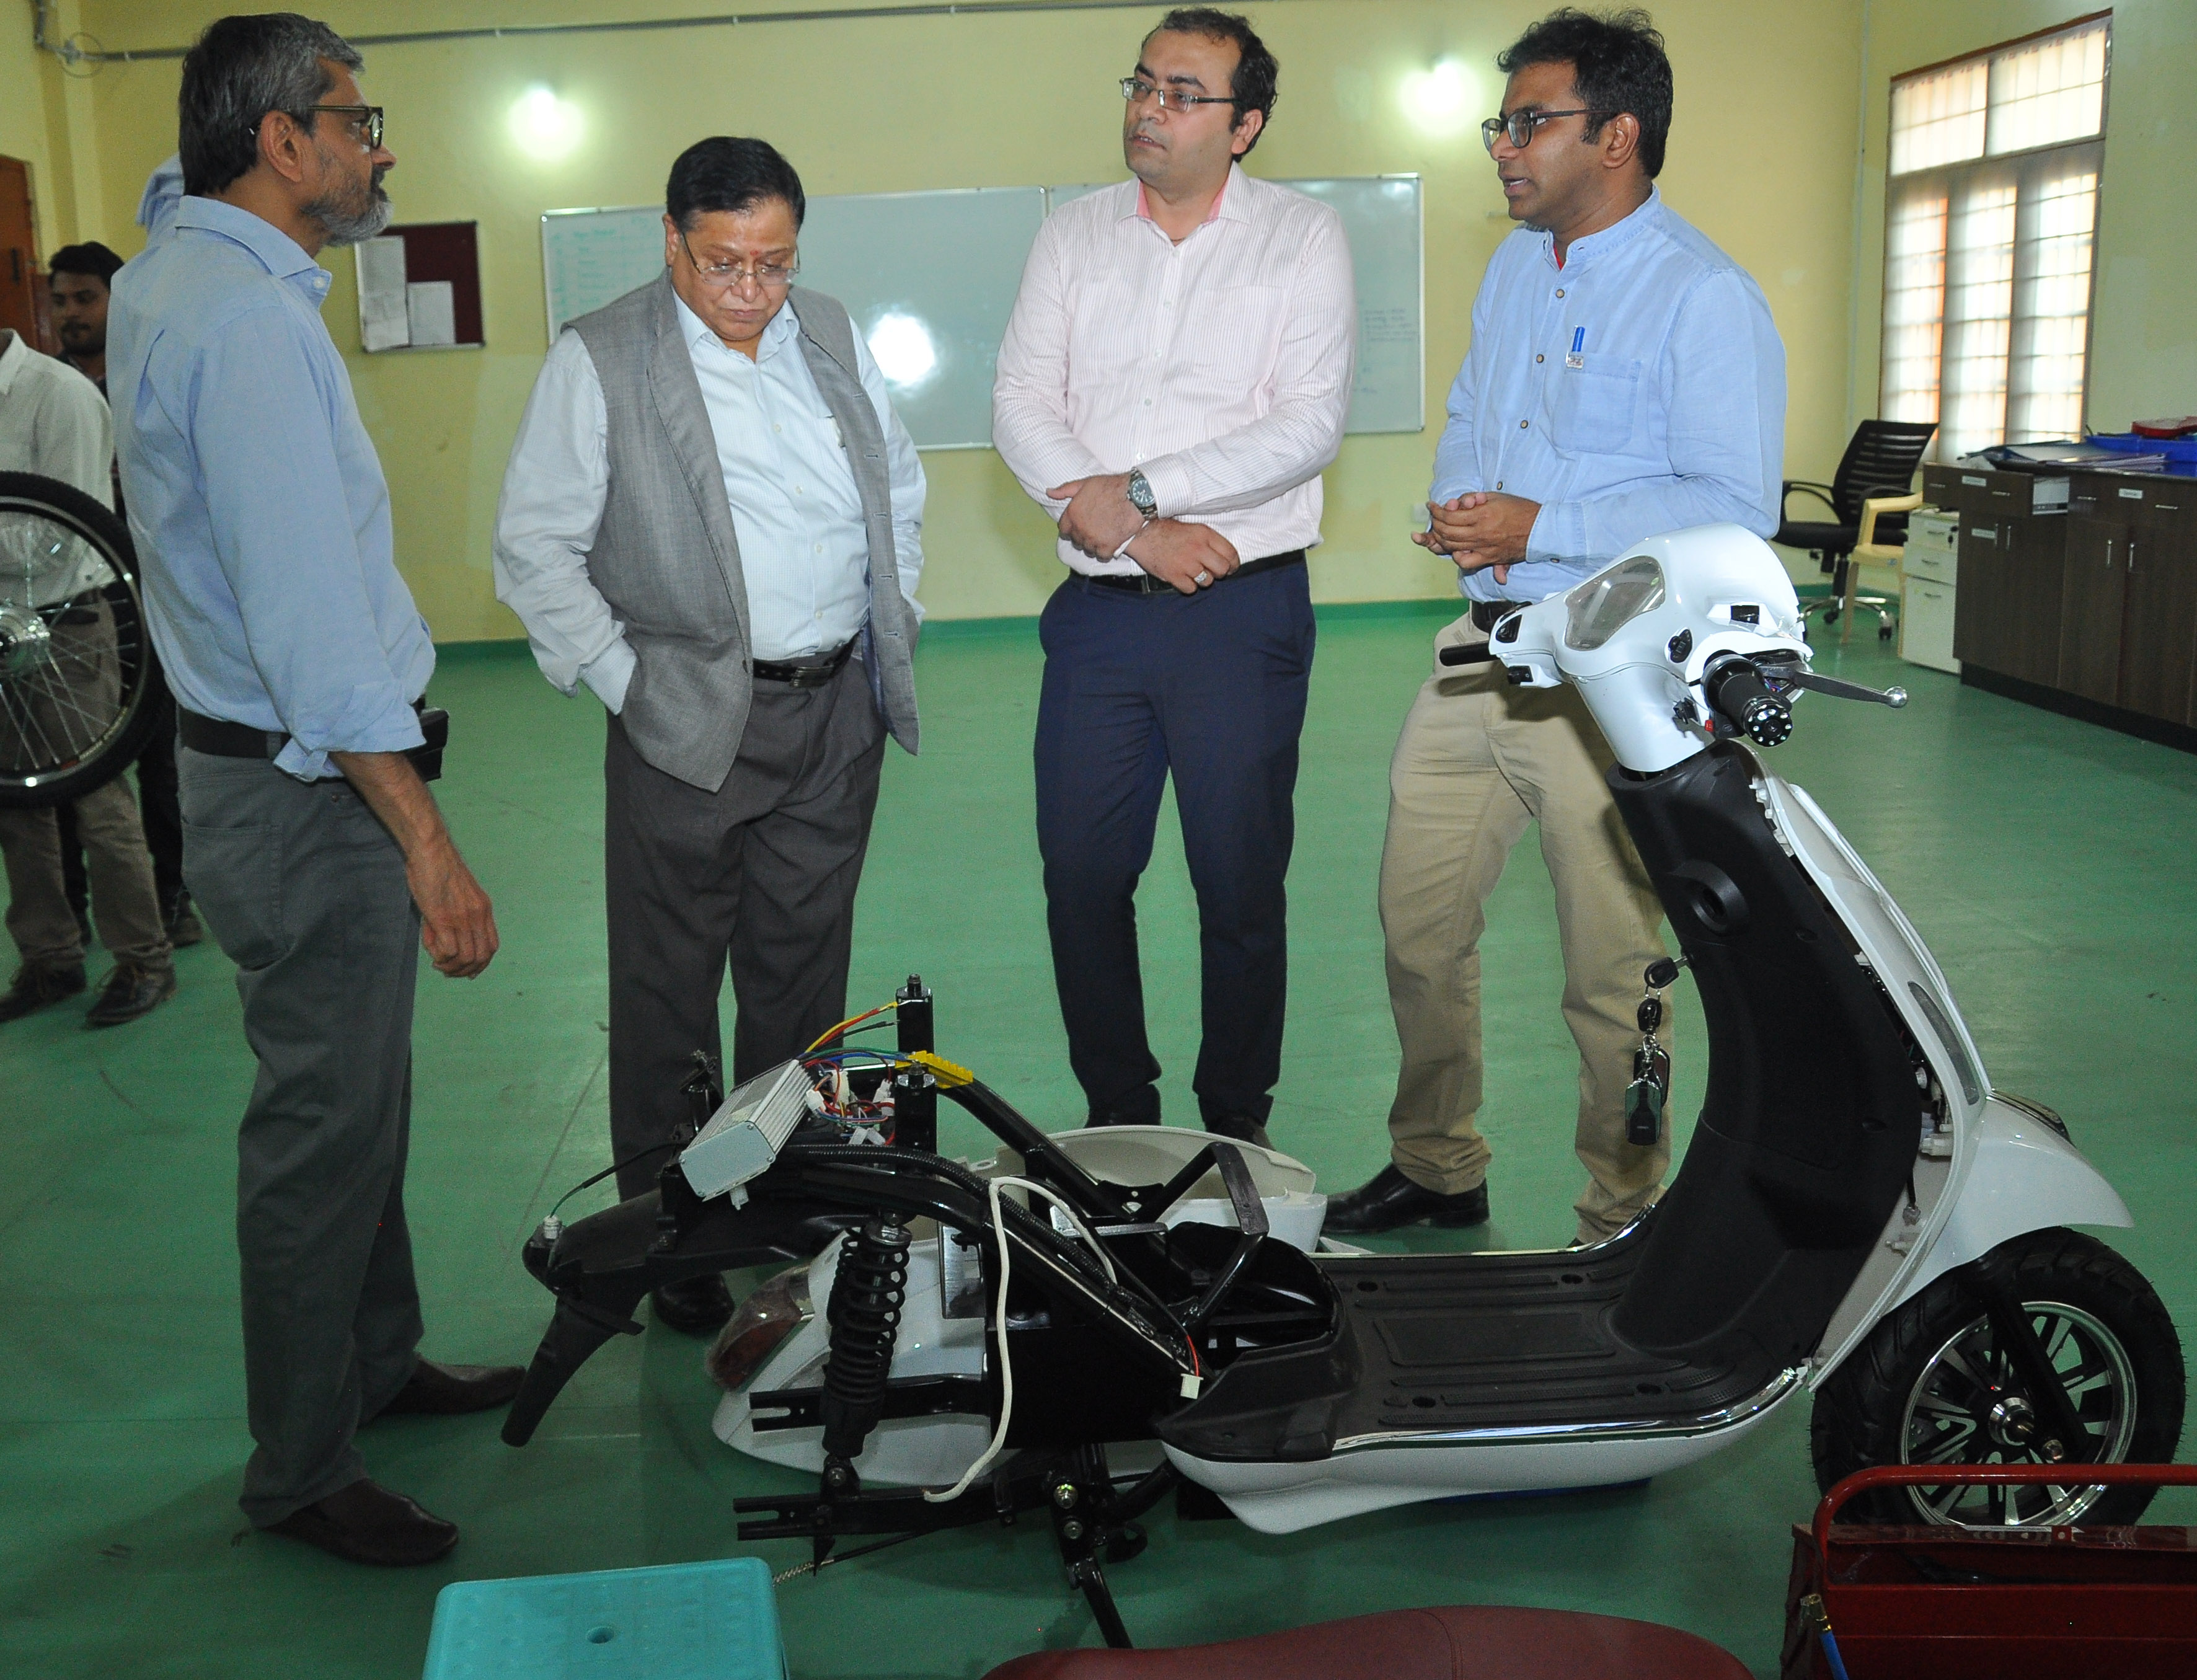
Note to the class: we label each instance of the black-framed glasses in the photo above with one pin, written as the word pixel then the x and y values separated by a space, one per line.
pixel 1522 125
pixel 1136 91
pixel 730 276
pixel 366 119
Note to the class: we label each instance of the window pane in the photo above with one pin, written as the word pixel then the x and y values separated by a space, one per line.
pixel 1914 303
pixel 1979 314
pixel 1939 118
pixel 2044 92
pixel 2052 295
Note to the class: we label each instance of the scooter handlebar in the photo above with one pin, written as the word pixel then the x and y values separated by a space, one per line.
pixel 1735 690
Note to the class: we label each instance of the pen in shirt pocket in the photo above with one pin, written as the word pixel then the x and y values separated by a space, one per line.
pixel 1577 358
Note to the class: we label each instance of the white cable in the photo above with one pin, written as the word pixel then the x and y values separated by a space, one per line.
pixel 1081 1229
pixel 1007 1371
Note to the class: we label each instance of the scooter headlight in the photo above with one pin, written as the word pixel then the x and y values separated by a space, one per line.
pixel 1609 600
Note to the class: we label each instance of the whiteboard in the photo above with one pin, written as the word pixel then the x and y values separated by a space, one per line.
pixel 1383 218
pixel 931 278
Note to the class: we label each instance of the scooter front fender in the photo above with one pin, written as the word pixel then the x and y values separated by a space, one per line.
pixel 2025 1176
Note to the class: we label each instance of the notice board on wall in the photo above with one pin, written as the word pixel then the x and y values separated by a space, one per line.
pixel 419 288
pixel 930 279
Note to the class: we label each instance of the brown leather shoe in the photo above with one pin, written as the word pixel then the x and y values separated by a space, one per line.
pixel 437 1390
pixel 129 993
pixel 37 984
pixel 366 1523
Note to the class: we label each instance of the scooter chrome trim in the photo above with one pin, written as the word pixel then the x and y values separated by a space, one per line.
pixel 1657 1429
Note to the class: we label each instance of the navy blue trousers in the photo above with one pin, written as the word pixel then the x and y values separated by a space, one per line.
pixel 1211 688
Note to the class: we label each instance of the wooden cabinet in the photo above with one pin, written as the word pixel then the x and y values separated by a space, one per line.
pixel 2007 611
pixel 2092 599
pixel 2159 628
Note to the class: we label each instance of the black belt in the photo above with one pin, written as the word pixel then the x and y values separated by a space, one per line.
pixel 217 737
pixel 805 674
pixel 1486 615
pixel 1143 583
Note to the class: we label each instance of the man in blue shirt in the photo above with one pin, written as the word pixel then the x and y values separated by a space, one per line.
pixel 311 843
pixel 1625 378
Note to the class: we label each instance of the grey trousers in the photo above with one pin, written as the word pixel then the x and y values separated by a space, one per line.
pixel 304 889
pixel 88 690
pixel 761 873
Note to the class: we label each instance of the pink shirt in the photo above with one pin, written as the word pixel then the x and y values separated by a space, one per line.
pixel 1221 366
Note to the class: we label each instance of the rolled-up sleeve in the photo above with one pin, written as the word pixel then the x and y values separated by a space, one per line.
pixel 554 490
pixel 262 418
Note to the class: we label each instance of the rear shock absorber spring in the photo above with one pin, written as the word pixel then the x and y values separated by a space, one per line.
pixel 868 1293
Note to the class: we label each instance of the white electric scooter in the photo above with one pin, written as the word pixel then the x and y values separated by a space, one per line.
pixel 1858 1215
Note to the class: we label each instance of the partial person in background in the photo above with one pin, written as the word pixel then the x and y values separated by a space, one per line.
pixel 1174 379
pixel 53 423
pixel 311 843
pixel 713 519
pixel 1625 378
pixel 78 279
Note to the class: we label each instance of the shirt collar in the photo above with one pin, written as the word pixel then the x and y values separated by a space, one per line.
pixel 1227 203
pixel 282 256
pixel 775 337
pixel 1648 214
pixel 12 360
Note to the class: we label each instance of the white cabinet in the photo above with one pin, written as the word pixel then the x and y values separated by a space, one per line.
pixel 1929 577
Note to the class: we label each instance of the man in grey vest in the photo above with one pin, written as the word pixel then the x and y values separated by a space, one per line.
pixel 712 518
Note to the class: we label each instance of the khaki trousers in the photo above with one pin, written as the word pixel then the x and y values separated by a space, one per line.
pixel 1477 760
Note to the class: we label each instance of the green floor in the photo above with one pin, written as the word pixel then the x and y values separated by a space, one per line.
pixel 2048 863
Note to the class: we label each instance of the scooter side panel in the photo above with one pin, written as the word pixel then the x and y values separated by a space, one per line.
pixel 1281 1499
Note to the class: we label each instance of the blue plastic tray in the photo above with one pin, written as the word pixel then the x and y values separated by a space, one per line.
pixel 679 1621
pixel 2128 443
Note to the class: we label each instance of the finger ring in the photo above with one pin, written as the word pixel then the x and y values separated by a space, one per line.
pixel 1204 578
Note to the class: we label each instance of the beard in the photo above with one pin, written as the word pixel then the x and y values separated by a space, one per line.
pixel 83 339
pixel 353 217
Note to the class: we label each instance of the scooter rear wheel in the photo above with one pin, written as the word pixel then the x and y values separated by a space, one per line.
pixel 1932 1385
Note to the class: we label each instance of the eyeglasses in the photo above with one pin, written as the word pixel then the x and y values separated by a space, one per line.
pixel 1522 125
pixel 365 118
pixel 731 276
pixel 1136 89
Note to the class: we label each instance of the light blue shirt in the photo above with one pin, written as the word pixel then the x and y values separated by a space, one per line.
pixel 255 496
pixel 1640 388
pixel 804 551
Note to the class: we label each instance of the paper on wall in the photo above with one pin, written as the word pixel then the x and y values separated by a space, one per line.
pixel 433 306
pixel 384 315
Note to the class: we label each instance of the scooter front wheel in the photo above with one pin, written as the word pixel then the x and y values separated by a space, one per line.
pixel 1937 1383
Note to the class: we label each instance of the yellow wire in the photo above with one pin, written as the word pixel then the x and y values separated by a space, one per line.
pixel 851 1021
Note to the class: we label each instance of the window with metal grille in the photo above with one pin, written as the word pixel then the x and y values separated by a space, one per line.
pixel 1990 218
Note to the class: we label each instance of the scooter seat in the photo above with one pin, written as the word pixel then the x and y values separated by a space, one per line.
pixel 1447 1642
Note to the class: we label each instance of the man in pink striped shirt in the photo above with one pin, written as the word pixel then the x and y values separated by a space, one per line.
pixel 1174 378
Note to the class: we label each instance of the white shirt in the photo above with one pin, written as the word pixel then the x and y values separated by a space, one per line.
pixel 55 423
pixel 1221 366
pixel 804 550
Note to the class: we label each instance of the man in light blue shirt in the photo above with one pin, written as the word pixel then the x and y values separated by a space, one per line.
pixel 1625 378
pixel 712 518
pixel 313 848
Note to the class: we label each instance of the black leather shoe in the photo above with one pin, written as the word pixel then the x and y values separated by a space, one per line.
pixel 1389 1199
pixel 697 1305
pixel 37 984
pixel 435 1390
pixel 184 927
pixel 129 993
pixel 1240 1127
pixel 366 1523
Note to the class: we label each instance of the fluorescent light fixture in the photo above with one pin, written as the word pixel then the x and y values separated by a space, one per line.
pixel 1439 100
pixel 546 127
pixel 903 350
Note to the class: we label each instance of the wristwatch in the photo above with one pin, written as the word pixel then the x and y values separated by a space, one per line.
pixel 1140 492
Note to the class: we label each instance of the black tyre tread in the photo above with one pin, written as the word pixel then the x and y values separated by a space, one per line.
pixel 1857 1414
pixel 75 506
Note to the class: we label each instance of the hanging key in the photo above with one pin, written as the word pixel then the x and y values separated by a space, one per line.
pixel 1651 1079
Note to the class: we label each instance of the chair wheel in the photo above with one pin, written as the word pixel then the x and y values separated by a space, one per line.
pixel 1884 633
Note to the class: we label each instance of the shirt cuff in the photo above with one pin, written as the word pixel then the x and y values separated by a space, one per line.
pixel 1559 531
pixel 1173 494
pixel 610 673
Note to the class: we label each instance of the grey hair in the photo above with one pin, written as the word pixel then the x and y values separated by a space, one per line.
pixel 236 72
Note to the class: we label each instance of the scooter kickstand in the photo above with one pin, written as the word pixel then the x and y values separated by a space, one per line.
pixel 1080 1499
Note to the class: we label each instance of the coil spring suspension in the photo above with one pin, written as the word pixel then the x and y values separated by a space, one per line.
pixel 867 1294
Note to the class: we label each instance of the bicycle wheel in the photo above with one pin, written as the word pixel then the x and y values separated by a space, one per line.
pixel 75 662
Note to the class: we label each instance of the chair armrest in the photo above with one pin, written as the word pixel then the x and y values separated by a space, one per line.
pixel 1821 492
pixel 1876 504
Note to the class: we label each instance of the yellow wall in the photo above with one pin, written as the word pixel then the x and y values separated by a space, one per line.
pixel 1762 162
pixel 2143 332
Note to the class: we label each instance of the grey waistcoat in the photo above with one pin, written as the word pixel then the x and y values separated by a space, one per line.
pixel 666 557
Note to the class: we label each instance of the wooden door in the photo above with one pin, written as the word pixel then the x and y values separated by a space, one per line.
pixel 2092 599
pixel 1982 629
pixel 20 280
pixel 2159 629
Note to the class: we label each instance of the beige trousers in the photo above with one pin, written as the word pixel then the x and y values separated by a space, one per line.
pixel 1478 761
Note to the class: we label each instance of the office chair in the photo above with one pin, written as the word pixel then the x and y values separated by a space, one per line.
pixel 1879 461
